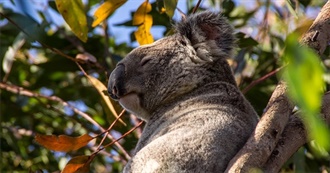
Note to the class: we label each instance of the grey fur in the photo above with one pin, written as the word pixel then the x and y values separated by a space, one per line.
pixel 183 87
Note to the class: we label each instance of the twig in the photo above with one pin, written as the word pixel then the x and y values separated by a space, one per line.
pixel 263 27
pixel 45 45
pixel 25 92
pixel 183 15
pixel 197 6
pixel 108 154
pixel 124 135
pixel 22 91
pixel 108 130
pixel 99 149
pixel 52 49
pixel 257 81
pixel 136 121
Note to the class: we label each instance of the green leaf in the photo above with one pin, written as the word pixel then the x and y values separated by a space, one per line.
pixel 320 133
pixel 227 7
pixel 74 15
pixel 304 75
pixel 245 41
pixel 25 24
pixel 170 6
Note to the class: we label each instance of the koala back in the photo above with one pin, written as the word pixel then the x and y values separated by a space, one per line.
pixel 183 87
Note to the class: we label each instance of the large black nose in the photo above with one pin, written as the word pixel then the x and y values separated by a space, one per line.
pixel 116 87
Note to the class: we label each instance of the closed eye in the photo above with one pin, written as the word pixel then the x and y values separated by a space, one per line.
pixel 145 61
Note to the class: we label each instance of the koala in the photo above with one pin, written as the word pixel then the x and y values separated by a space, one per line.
pixel 182 86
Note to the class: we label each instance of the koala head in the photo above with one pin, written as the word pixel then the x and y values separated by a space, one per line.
pixel 159 73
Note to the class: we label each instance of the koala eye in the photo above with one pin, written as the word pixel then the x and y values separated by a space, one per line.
pixel 144 61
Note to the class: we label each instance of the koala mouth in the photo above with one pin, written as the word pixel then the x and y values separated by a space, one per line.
pixel 130 101
pixel 126 97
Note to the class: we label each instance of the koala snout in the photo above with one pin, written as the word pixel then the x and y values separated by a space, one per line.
pixel 116 87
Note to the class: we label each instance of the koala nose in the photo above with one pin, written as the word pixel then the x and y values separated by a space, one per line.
pixel 116 82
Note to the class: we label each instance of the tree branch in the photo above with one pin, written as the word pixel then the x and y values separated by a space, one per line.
pixel 259 151
pixel 261 79
pixel 268 131
pixel 293 137
pixel 25 92
pixel 318 35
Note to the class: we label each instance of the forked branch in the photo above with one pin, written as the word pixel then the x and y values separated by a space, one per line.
pixel 279 135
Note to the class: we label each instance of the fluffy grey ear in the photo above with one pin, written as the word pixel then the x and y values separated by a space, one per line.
pixel 209 33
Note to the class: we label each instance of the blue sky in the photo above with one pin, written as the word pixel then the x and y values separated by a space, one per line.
pixel 121 33
pixel 122 14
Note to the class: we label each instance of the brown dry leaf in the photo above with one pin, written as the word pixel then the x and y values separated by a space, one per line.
pixel 100 88
pixel 77 164
pixel 106 9
pixel 86 58
pixel 62 142
pixel 142 19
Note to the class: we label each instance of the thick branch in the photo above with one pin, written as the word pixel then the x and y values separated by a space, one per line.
pixel 293 137
pixel 318 35
pixel 268 131
pixel 266 135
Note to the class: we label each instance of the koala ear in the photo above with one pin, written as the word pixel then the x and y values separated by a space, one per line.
pixel 209 34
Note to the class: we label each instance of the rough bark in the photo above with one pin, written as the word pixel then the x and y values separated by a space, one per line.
pixel 318 35
pixel 268 148
pixel 293 137
pixel 268 131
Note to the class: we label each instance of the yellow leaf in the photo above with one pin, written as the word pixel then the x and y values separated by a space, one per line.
pixel 78 164
pixel 107 8
pixel 100 88
pixel 143 36
pixel 62 142
pixel 141 12
pixel 74 15
pixel 142 19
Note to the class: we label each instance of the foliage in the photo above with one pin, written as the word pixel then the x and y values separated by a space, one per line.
pixel 62 142
pixel 143 20
pixel 300 62
pixel 107 8
pixel 53 75
pixel 73 13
